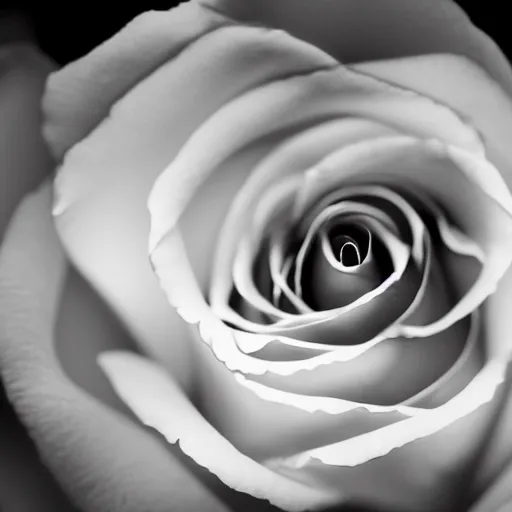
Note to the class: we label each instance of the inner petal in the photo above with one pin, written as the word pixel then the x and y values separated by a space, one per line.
pixel 351 243
pixel 341 269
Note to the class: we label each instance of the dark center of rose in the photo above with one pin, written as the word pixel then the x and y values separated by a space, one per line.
pixel 350 244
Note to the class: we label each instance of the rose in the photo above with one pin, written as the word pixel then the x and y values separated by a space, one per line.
pixel 15 232
pixel 117 265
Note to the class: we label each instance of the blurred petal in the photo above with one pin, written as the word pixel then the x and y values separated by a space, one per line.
pixel 108 464
pixel 497 455
pixel 25 160
pixel 498 496
pixel 356 30
pixel 25 483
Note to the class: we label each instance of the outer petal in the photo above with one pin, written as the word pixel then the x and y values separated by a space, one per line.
pixel 356 30
pixel 108 464
pixel 444 442
pixel 103 184
pixel 24 481
pixel 426 452
pixel 75 104
pixel 159 403
pixel 470 91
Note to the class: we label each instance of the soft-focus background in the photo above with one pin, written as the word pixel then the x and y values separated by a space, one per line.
pixel 66 31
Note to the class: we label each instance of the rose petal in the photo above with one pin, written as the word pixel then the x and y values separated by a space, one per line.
pixel 108 464
pixel 74 104
pixel 226 403
pixel 355 30
pixel 24 481
pixel 470 361
pixel 160 404
pixel 103 184
pixel 272 108
pixel 444 443
pixel 333 285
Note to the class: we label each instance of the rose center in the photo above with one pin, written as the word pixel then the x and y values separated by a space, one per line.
pixel 350 244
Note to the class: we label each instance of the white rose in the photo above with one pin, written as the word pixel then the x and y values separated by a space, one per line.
pixel 301 214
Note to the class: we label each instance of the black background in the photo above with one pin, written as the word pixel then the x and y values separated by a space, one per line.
pixel 68 30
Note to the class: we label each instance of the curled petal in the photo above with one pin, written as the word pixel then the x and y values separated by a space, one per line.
pixel 295 154
pixel 336 284
pixel 483 212
pixel 470 90
pixel 336 92
pixel 225 133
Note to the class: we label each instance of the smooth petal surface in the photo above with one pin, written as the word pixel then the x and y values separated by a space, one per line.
pixel 108 464
pixel 357 30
